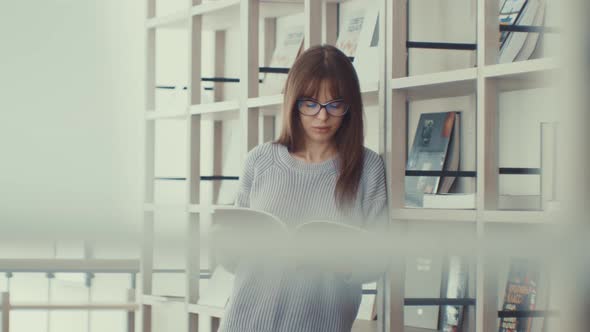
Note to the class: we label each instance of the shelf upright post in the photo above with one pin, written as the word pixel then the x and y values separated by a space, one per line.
pixel 219 58
pixel 313 23
pixel 329 22
pixel 147 254
pixel 249 17
pixel 393 25
pixel 269 32
pixel 5 308
pixel 487 162
pixel 193 241
pixel 397 58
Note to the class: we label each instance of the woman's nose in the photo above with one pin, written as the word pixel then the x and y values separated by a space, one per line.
pixel 323 114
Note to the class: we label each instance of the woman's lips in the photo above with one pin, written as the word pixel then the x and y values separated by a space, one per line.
pixel 321 129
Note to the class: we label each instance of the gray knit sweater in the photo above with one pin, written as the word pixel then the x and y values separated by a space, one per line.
pixel 282 299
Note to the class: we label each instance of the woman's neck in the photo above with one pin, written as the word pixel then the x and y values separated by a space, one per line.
pixel 316 152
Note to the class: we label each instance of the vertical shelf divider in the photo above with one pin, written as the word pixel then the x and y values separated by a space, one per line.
pixel 193 183
pixel 394 24
pixel 487 162
pixel 249 17
pixel 313 23
pixel 147 253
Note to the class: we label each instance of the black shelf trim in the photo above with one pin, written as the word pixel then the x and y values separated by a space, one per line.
pixel 219 177
pixel 520 171
pixel 465 174
pixel 223 79
pixel 220 79
pixel 169 178
pixel 437 301
pixel 528 28
pixel 274 70
pixel 472 174
pixel 527 313
pixel 202 178
pixel 442 46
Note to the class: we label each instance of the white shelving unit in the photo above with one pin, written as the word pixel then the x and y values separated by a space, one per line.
pixel 394 90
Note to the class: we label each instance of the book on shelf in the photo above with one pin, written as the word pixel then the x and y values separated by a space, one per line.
pixel 516 46
pixel 520 294
pixel 368 307
pixel 423 280
pixel 428 153
pixel 453 156
pixel 455 286
pixel 289 43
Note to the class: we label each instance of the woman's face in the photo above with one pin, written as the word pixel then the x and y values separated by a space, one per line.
pixel 322 127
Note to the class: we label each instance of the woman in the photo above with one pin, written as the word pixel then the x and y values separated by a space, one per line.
pixel 317 169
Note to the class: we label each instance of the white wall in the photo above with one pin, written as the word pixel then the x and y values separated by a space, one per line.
pixel 71 100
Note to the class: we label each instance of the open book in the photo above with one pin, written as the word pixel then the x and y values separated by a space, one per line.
pixel 330 246
pixel 249 234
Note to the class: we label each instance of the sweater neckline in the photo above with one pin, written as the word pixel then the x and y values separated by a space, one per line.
pixel 294 163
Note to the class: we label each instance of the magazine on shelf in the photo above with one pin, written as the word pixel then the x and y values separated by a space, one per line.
pixel 428 153
pixel 532 39
pixel 454 287
pixel 367 49
pixel 523 13
pixel 520 294
pixel 350 31
pixel 509 12
pixel 289 42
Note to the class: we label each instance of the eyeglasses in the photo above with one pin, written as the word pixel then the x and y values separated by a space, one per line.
pixel 311 107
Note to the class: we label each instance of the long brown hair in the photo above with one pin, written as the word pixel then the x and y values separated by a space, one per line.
pixel 314 66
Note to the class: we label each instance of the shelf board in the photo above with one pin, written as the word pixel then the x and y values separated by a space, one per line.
pixel 178 19
pixel 223 110
pixel 528 74
pixel 438 215
pixel 70 265
pixel 166 207
pixel 160 299
pixel 205 208
pixel 370 93
pixel 273 102
pixel 519 217
pixel 362 325
pixel 213 6
pixel 453 83
pixel 265 101
pixel 206 310
pixel 75 306
pixel 160 115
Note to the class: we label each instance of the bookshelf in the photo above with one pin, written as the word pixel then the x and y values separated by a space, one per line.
pixel 459 72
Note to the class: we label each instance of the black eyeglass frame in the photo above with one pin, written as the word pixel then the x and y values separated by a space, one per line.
pixel 323 106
